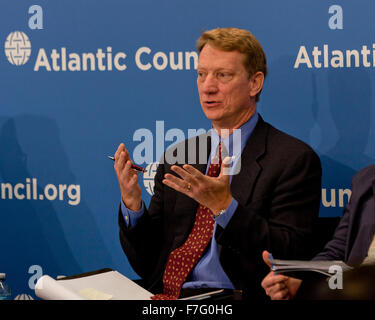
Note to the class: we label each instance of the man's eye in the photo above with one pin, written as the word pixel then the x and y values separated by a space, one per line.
pixel 224 76
pixel 201 76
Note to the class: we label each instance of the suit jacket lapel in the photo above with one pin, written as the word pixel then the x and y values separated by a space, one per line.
pixel 243 183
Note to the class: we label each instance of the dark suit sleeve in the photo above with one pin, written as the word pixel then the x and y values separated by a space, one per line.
pixel 335 248
pixel 281 218
pixel 338 247
pixel 142 242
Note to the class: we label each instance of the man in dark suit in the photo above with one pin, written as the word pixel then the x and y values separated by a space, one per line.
pixel 269 199
pixel 352 242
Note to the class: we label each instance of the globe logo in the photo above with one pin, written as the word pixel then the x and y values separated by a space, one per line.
pixel 148 177
pixel 17 48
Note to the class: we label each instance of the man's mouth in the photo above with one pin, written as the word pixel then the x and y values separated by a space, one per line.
pixel 211 103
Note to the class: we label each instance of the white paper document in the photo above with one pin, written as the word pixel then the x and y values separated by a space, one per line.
pixel 295 266
pixel 110 285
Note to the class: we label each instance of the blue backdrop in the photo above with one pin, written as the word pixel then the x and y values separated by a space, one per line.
pixel 79 77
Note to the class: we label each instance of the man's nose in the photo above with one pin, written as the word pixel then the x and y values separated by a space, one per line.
pixel 210 84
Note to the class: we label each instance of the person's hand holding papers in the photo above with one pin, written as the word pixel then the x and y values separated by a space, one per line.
pixel 279 287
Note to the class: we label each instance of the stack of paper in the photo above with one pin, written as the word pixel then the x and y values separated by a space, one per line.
pixel 296 266
pixel 102 286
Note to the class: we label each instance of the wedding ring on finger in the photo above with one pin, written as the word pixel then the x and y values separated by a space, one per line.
pixel 188 187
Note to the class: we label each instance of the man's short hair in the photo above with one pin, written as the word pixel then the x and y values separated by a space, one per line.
pixel 235 39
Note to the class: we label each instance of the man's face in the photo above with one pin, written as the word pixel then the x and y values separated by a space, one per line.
pixel 224 88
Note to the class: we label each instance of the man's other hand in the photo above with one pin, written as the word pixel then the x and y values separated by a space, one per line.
pixel 211 192
pixel 279 287
pixel 128 179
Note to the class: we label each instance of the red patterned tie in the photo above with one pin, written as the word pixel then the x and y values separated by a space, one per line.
pixel 182 260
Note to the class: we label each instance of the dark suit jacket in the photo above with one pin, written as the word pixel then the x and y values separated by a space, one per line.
pixel 355 231
pixel 278 191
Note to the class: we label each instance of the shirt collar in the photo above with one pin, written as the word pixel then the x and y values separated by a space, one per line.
pixel 235 142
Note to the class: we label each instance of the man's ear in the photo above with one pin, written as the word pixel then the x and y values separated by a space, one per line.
pixel 256 83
